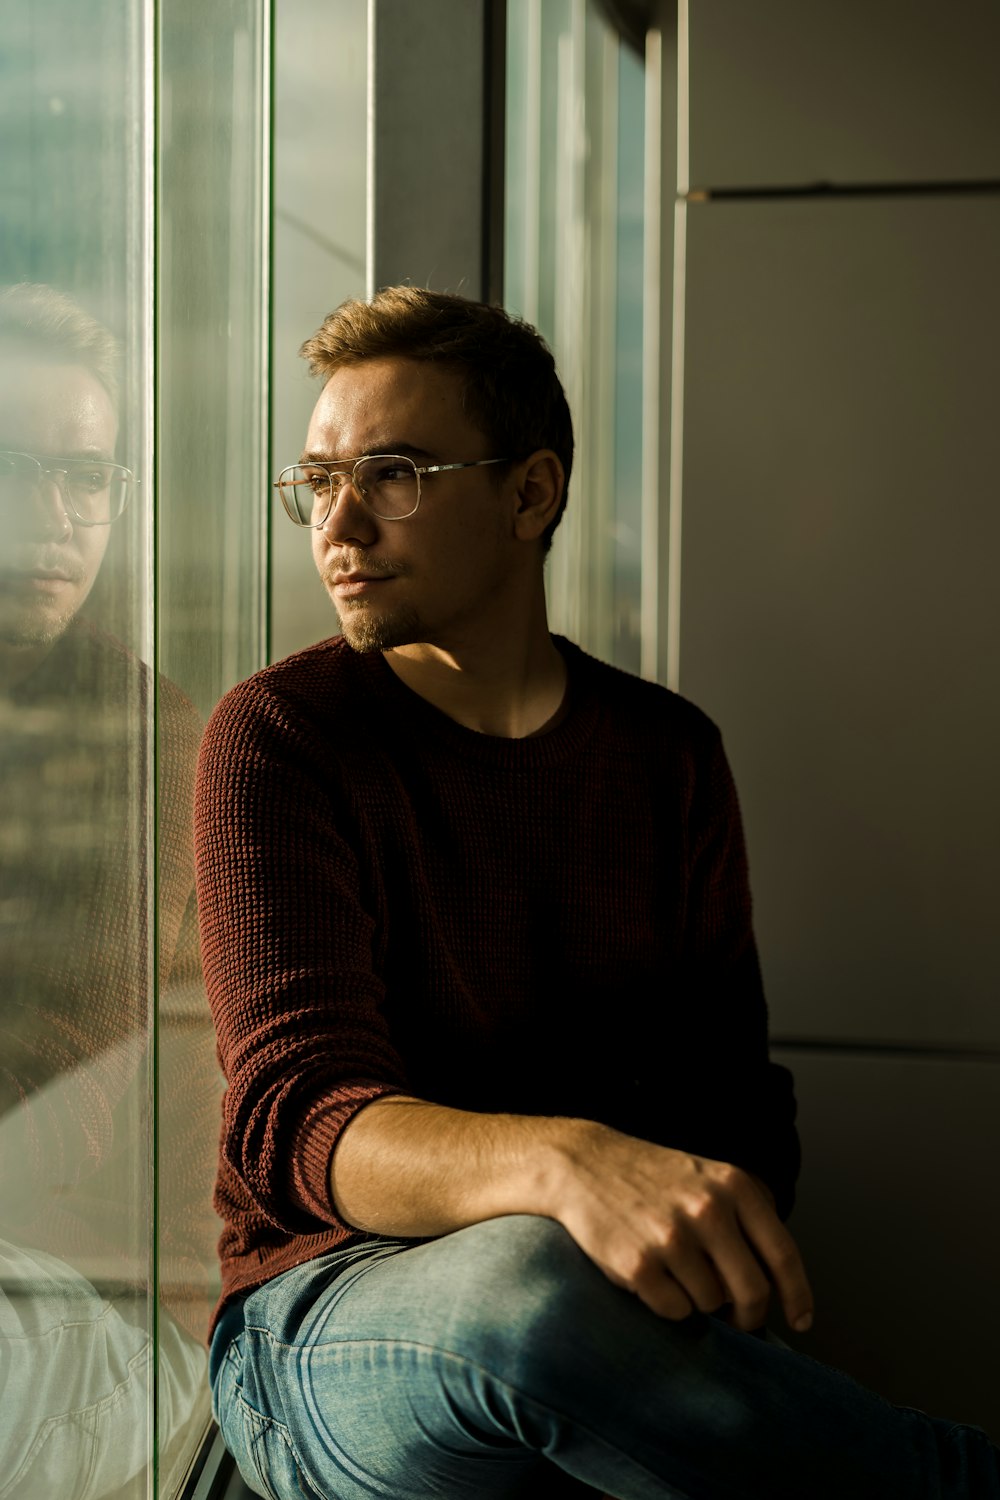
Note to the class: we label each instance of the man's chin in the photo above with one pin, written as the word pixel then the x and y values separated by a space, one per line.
pixel 366 631
pixel 32 628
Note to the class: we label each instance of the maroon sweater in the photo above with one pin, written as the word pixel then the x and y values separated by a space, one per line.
pixel 393 903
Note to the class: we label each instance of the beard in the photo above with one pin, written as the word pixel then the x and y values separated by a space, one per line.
pixel 32 627
pixel 366 628
pixel 366 631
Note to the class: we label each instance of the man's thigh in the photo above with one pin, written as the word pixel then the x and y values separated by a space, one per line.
pixel 384 1369
pixel 466 1366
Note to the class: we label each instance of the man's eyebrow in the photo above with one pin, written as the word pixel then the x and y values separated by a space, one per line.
pixel 100 455
pixel 84 453
pixel 389 445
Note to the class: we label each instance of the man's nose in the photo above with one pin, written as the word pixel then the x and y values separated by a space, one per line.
pixel 349 518
pixel 43 512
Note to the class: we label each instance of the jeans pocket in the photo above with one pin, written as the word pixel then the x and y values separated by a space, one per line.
pixel 266 1459
pixel 84 1452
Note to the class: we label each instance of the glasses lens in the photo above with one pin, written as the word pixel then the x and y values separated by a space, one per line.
pixel 97 492
pixel 18 472
pixel 389 485
pixel 305 494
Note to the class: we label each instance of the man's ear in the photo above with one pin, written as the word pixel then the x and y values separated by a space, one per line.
pixel 540 481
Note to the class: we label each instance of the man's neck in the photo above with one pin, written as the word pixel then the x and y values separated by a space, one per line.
pixel 512 694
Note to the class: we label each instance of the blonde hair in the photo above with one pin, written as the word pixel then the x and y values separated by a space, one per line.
pixel 510 389
pixel 50 323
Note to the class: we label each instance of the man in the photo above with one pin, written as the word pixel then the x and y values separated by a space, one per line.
pixel 75 799
pixel 504 1159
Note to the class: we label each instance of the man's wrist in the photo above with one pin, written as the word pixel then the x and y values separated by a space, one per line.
pixel 558 1160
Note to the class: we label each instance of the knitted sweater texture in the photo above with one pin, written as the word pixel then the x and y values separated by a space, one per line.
pixel 391 902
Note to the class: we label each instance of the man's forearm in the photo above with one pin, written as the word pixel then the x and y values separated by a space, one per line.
pixel 405 1167
pixel 679 1230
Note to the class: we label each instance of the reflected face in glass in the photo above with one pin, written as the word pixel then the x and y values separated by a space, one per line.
pixel 423 578
pixel 48 564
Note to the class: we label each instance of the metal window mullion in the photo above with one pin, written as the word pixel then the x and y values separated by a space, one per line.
pixel 602 192
pixel 531 164
pixel 650 603
pixel 569 249
pixel 677 335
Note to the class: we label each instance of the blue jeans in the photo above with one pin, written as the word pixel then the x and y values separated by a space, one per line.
pixel 458 1366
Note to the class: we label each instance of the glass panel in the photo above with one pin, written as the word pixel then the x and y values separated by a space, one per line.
pixel 97 746
pixel 212 466
pixel 76 1316
pixel 319 257
pixel 573 267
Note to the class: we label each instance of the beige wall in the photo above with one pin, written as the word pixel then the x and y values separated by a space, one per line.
pixel 839 618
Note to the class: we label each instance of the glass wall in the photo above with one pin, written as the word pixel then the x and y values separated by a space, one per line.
pixel 134 460
pixel 318 260
pixel 209 601
pixel 574 268
pixel 130 599
pixel 77 745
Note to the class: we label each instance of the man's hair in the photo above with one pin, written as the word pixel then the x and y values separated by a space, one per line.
pixel 46 322
pixel 511 391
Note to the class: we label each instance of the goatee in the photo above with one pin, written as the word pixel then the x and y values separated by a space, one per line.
pixel 366 631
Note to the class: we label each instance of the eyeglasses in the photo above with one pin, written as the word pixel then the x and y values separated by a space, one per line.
pixel 93 493
pixel 387 483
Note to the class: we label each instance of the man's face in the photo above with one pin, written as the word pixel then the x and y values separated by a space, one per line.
pixel 47 562
pixel 426 578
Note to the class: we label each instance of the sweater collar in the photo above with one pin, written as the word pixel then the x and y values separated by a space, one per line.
pixel 410 714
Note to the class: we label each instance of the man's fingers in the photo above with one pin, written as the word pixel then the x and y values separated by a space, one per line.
pixel 696 1275
pixel 661 1293
pixel 749 1288
pixel 678 1261
pixel 780 1257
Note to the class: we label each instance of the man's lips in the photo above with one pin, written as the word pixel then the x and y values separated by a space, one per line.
pixel 347 584
pixel 39 580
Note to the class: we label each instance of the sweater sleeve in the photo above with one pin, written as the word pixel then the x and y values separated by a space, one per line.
pixel 740 1104
pixel 287 956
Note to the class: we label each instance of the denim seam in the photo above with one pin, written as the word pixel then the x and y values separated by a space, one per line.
pixel 302 1470
pixel 464 1359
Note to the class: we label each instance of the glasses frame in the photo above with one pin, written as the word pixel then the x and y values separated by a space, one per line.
pixel 355 464
pixel 56 470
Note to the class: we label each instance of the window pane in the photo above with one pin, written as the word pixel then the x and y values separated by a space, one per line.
pixel 211 302
pixel 106 671
pixel 76 696
pixel 319 257
pixel 573 267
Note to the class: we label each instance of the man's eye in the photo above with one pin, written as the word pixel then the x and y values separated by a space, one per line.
pixel 90 478
pixel 317 480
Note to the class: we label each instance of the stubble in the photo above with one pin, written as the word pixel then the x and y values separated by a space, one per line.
pixel 367 630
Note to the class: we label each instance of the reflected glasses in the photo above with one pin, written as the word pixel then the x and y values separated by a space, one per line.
pixel 387 483
pixel 93 492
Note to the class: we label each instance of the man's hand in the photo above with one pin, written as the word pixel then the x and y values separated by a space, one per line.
pixel 679 1231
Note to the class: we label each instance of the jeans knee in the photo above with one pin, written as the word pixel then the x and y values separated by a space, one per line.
pixel 536 1294
pixel 527 1257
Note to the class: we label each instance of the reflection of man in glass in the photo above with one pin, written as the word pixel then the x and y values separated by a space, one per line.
pixel 75 717
pixel 59 491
